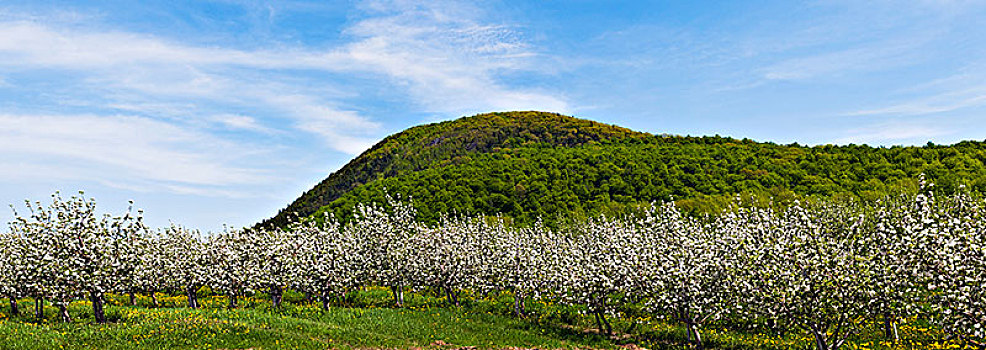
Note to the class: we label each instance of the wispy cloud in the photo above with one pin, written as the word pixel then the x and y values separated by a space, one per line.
pixel 860 59
pixel 122 149
pixel 40 44
pixel 444 57
pixel 242 122
pixel 447 57
pixel 146 74
pixel 894 133
pixel 964 90
pixel 852 39
pixel 930 105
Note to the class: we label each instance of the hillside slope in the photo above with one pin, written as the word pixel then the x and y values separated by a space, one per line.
pixel 530 165
pixel 439 144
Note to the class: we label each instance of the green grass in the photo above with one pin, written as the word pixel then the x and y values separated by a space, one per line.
pixel 366 320
pixel 295 326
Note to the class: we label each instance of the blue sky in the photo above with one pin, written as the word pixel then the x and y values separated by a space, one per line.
pixel 207 113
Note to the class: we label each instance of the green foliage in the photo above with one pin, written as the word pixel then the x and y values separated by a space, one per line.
pixel 530 165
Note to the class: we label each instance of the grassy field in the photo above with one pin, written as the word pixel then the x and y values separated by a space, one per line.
pixel 367 321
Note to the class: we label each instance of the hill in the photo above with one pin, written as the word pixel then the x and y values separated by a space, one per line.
pixel 530 165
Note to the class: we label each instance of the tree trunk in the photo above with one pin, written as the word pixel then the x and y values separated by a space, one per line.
pixel 519 304
pixel 14 310
pixel 193 301
pixel 890 328
pixel 453 297
pixel 599 324
pixel 63 312
pixel 39 309
pixel 398 295
pixel 780 332
pixel 133 298
pixel 97 307
pixel 344 297
pixel 275 295
pixel 691 327
pixel 688 334
pixel 698 336
pixel 601 316
pixel 325 301
pixel 821 343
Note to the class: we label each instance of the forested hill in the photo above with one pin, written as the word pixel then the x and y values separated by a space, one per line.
pixel 447 143
pixel 528 165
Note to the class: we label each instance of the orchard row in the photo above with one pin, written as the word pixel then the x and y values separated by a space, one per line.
pixel 825 268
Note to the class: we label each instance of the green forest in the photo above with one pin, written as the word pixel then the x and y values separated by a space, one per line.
pixel 535 165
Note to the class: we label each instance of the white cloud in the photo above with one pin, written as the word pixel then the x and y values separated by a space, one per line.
pixel 932 105
pixel 25 43
pixel 873 56
pixel 443 55
pixel 154 108
pixel 140 73
pixel 120 148
pixel 447 57
pixel 962 90
pixel 893 133
pixel 242 122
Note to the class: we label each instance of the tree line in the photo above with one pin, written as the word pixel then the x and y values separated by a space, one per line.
pixel 826 268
